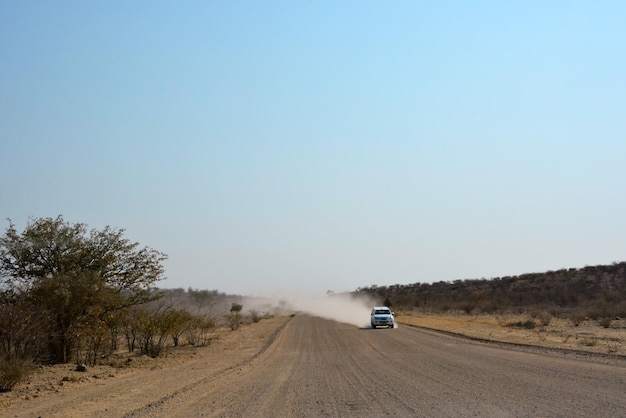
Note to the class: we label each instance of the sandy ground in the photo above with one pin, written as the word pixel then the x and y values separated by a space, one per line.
pixel 128 381
pixel 588 336
pixel 132 385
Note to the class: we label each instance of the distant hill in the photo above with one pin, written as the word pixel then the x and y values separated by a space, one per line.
pixel 595 291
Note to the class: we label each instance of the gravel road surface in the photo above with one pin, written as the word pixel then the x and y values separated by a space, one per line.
pixel 320 368
pixel 315 367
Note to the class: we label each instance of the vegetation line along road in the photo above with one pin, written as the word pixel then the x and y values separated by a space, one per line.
pixel 211 376
pixel 593 292
pixel 73 295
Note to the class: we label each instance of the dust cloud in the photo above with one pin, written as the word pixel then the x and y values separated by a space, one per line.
pixel 346 308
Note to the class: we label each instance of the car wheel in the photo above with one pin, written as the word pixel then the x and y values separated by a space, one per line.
pixel 373 326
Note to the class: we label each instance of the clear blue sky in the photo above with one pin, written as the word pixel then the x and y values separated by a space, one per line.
pixel 271 146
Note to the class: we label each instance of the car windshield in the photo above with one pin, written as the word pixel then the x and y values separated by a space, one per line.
pixel 382 311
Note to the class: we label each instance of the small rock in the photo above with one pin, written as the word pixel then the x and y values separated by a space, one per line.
pixel 81 368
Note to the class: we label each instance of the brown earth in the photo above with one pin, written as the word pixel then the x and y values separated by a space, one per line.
pixel 559 333
pixel 286 366
pixel 127 381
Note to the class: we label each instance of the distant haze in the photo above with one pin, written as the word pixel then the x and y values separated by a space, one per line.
pixel 344 308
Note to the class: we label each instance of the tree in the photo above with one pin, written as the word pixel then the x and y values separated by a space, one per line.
pixel 177 322
pixel 74 275
pixel 234 317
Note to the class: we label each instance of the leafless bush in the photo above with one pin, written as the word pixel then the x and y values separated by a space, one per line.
pixel 577 317
pixel 467 307
pixel 613 347
pixel 199 332
pixel 233 320
pixel 254 316
pixel 13 372
pixel 605 322
pixel 152 332
pixel 543 335
pixel 175 323
pixel 588 341
pixel 556 311
pixel 131 322
pixel 545 318
pixel 528 324
pixel 92 339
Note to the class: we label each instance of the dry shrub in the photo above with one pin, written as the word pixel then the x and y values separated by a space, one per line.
pixel 13 372
pixel 613 347
pixel 528 324
pixel 605 322
pixel 545 318
pixel 199 333
pixel 577 317
pixel 233 320
pixel 254 316
pixel 588 341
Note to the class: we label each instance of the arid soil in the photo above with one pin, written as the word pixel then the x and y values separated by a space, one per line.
pixel 305 366
pixel 558 333
pixel 128 382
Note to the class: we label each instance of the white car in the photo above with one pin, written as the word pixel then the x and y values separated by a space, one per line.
pixel 382 317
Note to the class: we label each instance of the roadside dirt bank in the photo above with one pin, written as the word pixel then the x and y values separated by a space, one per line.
pixel 588 336
pixel 125 378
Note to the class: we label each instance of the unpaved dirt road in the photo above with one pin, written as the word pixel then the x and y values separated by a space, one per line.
pixel 315 367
